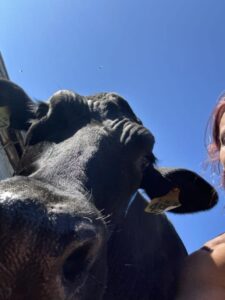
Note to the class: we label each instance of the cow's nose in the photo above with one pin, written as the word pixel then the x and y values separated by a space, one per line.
pixel 87 247
pixel 75 242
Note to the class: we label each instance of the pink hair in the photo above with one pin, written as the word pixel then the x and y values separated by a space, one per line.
pixel 214 146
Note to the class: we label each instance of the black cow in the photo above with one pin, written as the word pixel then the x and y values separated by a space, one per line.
pixel 69 229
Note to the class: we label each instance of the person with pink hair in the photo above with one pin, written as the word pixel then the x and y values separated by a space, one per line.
pixel 203 274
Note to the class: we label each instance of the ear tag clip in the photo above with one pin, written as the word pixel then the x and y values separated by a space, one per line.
pixel 164 203
pixel 4 117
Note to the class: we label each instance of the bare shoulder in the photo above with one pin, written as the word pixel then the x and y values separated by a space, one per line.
pixel 203 272
pixel 216 242
pixel 209 261
pixel 216 249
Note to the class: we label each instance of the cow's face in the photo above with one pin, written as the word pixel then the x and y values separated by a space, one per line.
pixel 85 157
pixel 52 243
pixel 101 147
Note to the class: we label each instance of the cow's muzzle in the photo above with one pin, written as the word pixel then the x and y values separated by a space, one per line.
pixel 52 250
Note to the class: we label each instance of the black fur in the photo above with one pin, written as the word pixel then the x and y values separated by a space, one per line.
pixel 66 231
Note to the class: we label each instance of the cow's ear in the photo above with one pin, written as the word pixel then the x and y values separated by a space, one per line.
pixel 16 108
pixel 177 190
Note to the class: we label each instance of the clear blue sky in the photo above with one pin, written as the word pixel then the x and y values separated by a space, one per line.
pixel 167 58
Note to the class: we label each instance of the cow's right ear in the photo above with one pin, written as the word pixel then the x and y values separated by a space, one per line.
pixel 177 190
pixel 16 108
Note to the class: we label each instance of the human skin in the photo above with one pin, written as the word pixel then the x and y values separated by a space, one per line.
pixel 222 140
pixel 203 274
pixel 202 277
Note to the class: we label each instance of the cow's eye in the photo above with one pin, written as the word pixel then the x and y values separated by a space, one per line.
pixel 145 161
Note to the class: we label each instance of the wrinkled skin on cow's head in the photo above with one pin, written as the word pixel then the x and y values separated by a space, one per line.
pixel 64 217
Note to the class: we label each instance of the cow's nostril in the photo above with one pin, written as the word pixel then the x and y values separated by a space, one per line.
pixel 88 247
pixel 77 262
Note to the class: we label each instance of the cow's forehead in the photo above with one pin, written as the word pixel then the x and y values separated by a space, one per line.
pixel 110 106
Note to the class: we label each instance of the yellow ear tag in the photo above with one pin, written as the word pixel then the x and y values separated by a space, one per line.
pixel 4 117
pixel 164 203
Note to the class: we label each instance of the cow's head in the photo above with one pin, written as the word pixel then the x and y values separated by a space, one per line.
pixel 85 157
